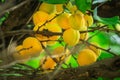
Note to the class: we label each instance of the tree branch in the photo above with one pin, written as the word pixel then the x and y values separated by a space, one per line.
pixel 109 66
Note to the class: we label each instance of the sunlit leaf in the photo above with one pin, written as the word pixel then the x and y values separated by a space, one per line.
pixel 33 63
pixel 83 5
pixel 73 63
pixel 99 1
pixel 102 39
pixel 105 55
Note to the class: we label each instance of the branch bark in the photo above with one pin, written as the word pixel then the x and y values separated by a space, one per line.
pixel 19 14
pixel 108 68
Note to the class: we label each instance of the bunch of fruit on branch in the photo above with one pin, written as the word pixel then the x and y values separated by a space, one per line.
pixel 55 23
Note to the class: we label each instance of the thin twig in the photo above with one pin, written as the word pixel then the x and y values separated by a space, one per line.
pixel 106 50
pixel 14 7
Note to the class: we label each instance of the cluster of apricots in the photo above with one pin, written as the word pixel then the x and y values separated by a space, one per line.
pixel 69 26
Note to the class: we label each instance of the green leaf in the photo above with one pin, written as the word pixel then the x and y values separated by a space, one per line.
pixel 55 1
pixel 2 1
pixel 106 21
pixel 83 5
pixel 105 55
pixel 102 38
pixel 33 63
pixel 99 1
pixel 11 74
pixel 117 78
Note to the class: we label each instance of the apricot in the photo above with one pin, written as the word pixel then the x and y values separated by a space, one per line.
pixel 60 53
pixel 117 26
pixel 40 17
pixel 48 63
pixel 96 50
pixel 71 36
pixel 32 46
pixel 63 21
pixel 88 19
pixel 86 57
pixel 59 8
pixel 84 36
pixel 40 37
pixel 55 28
pixel 77 21
pixel 48 8
pixel 21 53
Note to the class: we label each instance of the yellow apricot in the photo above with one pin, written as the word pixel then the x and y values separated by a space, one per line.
pixel 47 63
pixel 40 17
pixel 59 8
pixel 73 9
pixel 79 12
pixel 96 50
pixel 52 18
pixel 117 26
pixel 84 36
pixel 51 27
pixel 88 19
pixel 55 29
pixel 60 53
pixel 63 20
pixel 21 53
pixel 48 8
pixel 32 46
pixel 51 43
pixel 40 36
pixel 77 21
pixel 86 57
pixel 71 36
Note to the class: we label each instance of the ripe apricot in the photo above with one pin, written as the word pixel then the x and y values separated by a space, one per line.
pixel 21 53
pixel 59 8
pixel 48 8
pixel 40 17
pixel 63 20
pixel 40 36
pixel 32 46
pixel 96 50
pixel 88 20
pixel 84 36
pixel 71 36
pixel 60 53
pixel 52 18
pixel 77 21
pixel 47 63
pixel 55 28
pixel 50 27
pixel 86 57
pixel 117 26
pixel 51 43
pixel 73 9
